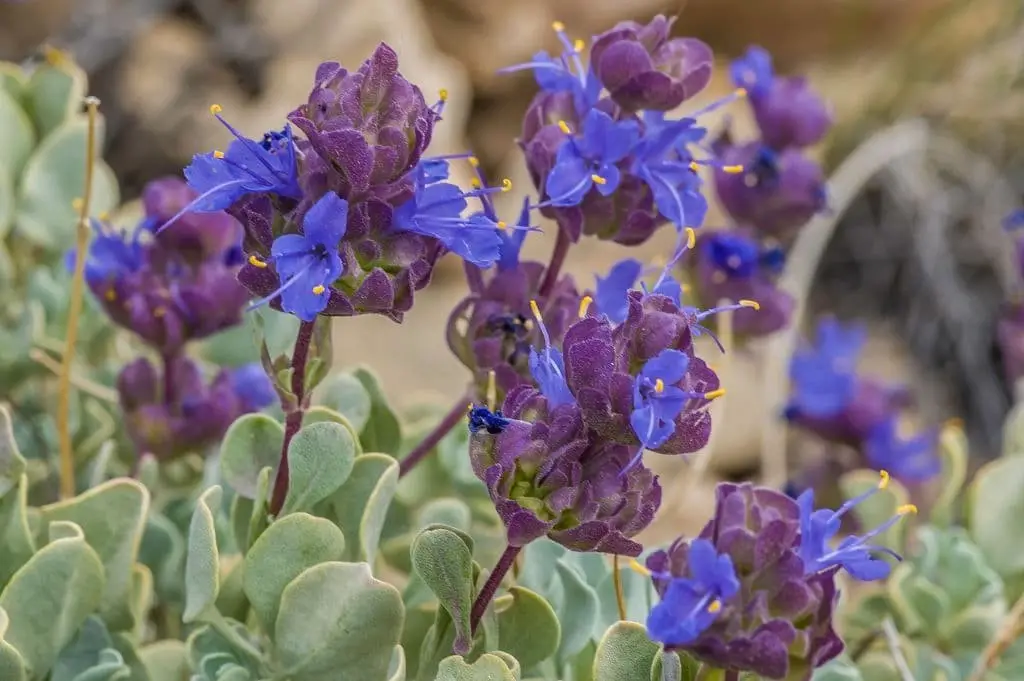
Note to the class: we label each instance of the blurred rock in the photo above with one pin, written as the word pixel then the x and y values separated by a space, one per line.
pixel 24 26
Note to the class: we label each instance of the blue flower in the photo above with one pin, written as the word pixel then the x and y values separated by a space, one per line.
pixel 611 295
pixel 247 167
pixel 512 239
pixel 855 554
pixel 1014 220
pixel 823 376
pixel 657 400
pixel 565 73
pixel 588 158
pixel 436 210
pixel 671 139
pixel 690 605
pixel 253 386
pixel 111 255
pixel 753 71
pixel 735 254
pixel 914 459
pixel 548 368
pixel 675 186
pixel 482 418
pixel 308 263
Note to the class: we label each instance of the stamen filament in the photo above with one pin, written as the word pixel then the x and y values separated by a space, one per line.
pixel 585 305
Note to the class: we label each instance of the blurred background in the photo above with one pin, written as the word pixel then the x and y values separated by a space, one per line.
pixel 914 246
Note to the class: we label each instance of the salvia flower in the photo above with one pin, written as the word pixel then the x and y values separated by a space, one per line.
pixel 755 591
pixel 787 110
pixel 733 265
pixel 169 287
pixel 587 161
pixel 178 411
pixel 547 474
pixel 911 459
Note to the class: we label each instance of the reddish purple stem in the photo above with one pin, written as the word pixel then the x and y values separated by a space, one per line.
pixel 293 412
pixel 554 268
pixel 486 595
pixel 451 419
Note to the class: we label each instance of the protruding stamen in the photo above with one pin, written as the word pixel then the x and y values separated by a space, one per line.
pixel 598 179
pixel 76 203
pixel 733 170
pixel 218 154
pixel 659 386
pixel 584 306
pixel 506 185
pixel 714 394
pixel 578 45
pixel 492 389
pixel 694 166
pixel 475 183
pixel 535 310
pixel 740 92
pixel 635 566
pixel 442 94
pixel 502 224
pixel 110 295
pixel 256 262
pixel 319 289
pixel 564 127
pixel 104 216
pixel 884 479
pixel 216 109
pixel 691 237
pixel 558 26
pixel 906 509
pixel 474 161
pixel 715 606
pixel 751 304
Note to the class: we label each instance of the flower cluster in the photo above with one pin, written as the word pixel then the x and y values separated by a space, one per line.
pixel 831 400
pixel 352 218
pixel 756 590
pixel 170 288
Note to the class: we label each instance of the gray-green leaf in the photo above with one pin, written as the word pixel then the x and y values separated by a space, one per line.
pixel 320 459
pixel 202 566
pixel 528 628
pixel 445 564
pixel 252 443
pixel 625 653
pixel 360 506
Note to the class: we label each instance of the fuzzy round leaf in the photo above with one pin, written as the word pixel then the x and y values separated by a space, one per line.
pixel 252 443
pixel 53 177
pixel 12 464
pixel 445 564
pixel 166 661
pixel 17 136
pixel 382 432
pixel 320 459
pixel 878 508
pixel 321 414
pixel 202 565
pixel 337 623
pixel 50 596
pixel 839 669
pixel 13 80
pixel 90 655
pixel 113 518
pixel 625 653
pixel 163 550
pixel 12 667
pixel 953 452
pixel 345 394
pixel 1013 431
pixel 528 628
pixel 489 667
pixel 396 670
pixel 360 506
pixel 446 511
pixel 16 542
pixel 285 550
pixel 994 499
pixel 577 610
pixel 921 605
pixel 55 92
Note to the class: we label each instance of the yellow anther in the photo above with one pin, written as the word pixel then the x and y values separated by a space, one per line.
pixel 218 154
pixel 733 170
pixel 76 203
pixel 691 237
pixel 502 224
pixel 506 185
pixel 528 325
pixel 906 509
pixel 104 216
pixel 442 95
pixel 714 394
pixel 715 606
pixel 54 57
pixel 694 166
pixel 578 45
pixel 598 179
pixel 319 289
pixel 954 423
pixel 474 161
pixel 659 386
pixel 535 310
pixel 110 295
pixel 740 92
pixel 751 304
pixel 635 566
pixel 884 479
pixel 558 26
pixel 564 127
pixel 216 109
pixel 256 262
pixel 469 407
pixel 585 305
pixel 492 389
pixel 474 183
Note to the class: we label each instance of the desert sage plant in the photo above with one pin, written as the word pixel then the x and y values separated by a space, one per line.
pixel 280 521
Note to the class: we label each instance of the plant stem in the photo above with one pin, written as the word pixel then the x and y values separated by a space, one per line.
pixel 293 412
pixel 67 455
pixel 1007 634
pixel 620 594
pixel 486 594
pixel 420 452
pixel 554 268
pixel 474 278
